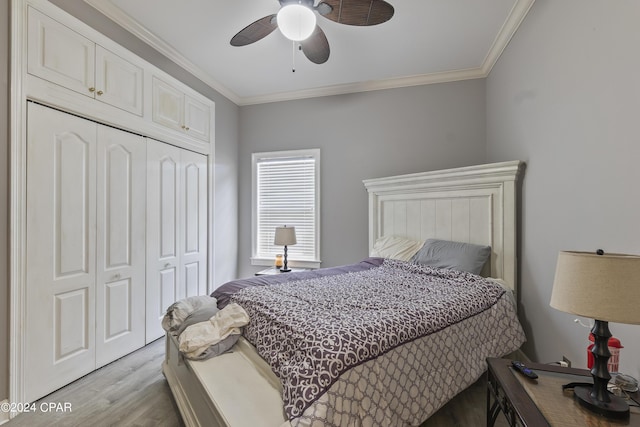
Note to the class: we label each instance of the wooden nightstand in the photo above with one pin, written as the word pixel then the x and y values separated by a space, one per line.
pixel 542 402
pixel 274 270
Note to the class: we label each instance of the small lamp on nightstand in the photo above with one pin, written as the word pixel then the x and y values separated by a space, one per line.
pixel 605 288
pixel 285 236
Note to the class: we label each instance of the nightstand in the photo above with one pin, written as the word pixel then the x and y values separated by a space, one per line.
pixel 542 402
pixel 274 270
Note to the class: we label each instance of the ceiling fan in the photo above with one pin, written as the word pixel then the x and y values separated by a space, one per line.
pixel 314 44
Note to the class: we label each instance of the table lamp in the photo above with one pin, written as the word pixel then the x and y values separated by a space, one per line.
pixel 606 288
pixel 285 236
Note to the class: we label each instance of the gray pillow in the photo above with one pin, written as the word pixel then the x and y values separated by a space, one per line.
pixel 203 314
pixel 454 255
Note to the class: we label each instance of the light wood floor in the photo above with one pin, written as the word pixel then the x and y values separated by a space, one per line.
pixel 133 392
pixel 128 392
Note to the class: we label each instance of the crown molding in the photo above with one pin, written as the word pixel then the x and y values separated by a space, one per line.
pixel 418 80
pixel 125 21
pixel 511 24
pixel 514 19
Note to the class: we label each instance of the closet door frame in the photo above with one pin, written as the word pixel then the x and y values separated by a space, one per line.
pixel 20 94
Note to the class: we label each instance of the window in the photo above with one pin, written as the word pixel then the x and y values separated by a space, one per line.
pixel 286 191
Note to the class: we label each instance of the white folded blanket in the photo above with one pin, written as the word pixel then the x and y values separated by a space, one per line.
pixel 197 338
pixel 180 310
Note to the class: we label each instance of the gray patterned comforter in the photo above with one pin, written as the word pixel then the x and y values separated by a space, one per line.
pixel 313 331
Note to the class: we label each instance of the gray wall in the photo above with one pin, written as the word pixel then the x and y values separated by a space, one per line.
pixel 226 134
pixel 4 200
pixel 362 135
pixel 565 97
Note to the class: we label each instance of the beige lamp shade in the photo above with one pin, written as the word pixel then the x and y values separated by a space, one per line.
pixel 285 236
pixel 603 287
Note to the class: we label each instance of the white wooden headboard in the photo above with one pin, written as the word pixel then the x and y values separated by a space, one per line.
pixel 474 204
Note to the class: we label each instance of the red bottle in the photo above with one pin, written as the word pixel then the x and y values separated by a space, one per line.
pixel 614 349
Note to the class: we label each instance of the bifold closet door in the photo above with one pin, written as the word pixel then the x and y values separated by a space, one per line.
pixel 85 247
pixel 163 183
pixel 193 210
pixel 121 208
pixel 61 250
pixel 176 229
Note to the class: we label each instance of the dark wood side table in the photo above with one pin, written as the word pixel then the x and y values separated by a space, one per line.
pixel 542 402
pixel 274 270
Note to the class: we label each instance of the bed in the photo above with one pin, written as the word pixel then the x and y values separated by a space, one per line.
pixel 401 381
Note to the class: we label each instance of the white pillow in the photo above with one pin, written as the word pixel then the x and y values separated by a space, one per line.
pixel 396 247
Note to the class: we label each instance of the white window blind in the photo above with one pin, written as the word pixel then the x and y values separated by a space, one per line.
pixel 286 193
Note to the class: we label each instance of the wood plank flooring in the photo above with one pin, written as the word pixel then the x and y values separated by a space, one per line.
pixel 133 392
pixel 128 392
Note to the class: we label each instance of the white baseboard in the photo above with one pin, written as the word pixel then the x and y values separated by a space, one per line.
pixel 4 416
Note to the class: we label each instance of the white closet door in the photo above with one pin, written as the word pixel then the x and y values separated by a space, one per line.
pixel 60 316
pixel 121 207
pixel 193 241
pixel 163 219
pixel 176 229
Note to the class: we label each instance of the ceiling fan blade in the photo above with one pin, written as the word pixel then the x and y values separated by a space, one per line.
pixel 359 12
pixel 255 31
pixel 316 47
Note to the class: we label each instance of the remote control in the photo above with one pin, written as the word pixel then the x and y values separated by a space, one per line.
pixel 520 367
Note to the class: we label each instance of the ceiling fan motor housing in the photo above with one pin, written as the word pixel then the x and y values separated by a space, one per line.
pixel 296 21
pixel 307 3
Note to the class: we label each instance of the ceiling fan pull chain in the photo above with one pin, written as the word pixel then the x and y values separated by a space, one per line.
pixel 293 57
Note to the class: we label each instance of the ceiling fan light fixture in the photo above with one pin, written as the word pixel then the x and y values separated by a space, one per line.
pixel 296 22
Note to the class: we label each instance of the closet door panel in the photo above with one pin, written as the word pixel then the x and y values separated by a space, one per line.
pixel 168 105
pixel 168 290
pixel 192 278
pixel 60 55
pixel 121 208
pixel 194 226
pixel 60 290
pixel 163 219
pixel 118 82
pixel 168 181
pixel 197 118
